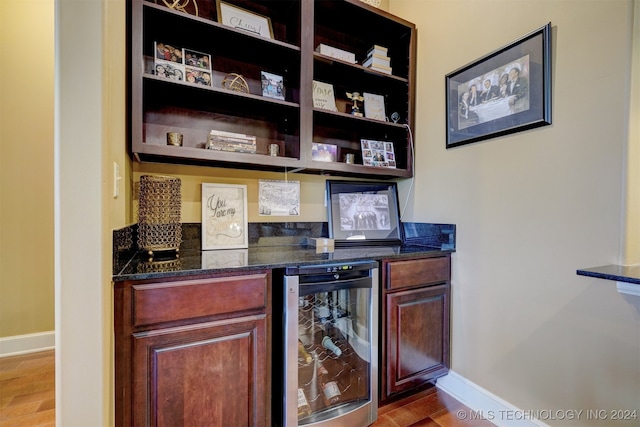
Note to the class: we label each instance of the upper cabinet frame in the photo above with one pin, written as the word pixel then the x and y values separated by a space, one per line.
pixel 161 103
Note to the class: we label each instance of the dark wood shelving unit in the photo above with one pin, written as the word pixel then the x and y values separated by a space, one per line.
pixel 159 105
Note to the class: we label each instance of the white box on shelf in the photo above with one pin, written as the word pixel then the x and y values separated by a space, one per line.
pixel 336 53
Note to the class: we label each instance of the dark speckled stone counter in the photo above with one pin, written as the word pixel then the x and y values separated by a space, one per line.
pixel 618 273
pixel 271 245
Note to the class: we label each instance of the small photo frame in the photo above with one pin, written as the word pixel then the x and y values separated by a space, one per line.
pixel 242 19
pixel 378 153
pixel 197 60
pixel 168 52
pixel 169 70
pixel 272 85
pixel 363 213
pixel 224 216
pixel 324 152
pixel 197 76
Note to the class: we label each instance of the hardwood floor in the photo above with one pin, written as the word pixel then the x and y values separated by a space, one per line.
pixel 429 408
pixel 27 390
pixel 27 399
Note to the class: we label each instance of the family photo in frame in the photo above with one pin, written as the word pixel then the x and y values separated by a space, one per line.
pixel 363 213
pixel 503 92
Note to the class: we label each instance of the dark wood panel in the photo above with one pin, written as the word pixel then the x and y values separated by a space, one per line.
pixel 165 302
pixel 409 273
pixel 211 374
pixel 417 341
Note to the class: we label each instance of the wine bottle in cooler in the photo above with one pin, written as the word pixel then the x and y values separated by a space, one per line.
pixel 303 354
pixel 330 391
pixel 330 345
pixel 304 410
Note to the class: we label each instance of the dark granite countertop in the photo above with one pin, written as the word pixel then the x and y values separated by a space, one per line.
pixel 618 273
pixel 271 246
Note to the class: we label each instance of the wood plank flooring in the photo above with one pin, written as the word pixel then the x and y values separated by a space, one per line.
pixel 27 399
pixel 27 390
pixel 429 408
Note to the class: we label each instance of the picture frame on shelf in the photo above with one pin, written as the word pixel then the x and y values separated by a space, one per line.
pixel 169 70
pixel 224 216
pixel 374 106
pixel 197 76
pixel 197 60
pixel 324 152
pixel 323 96
pixel 506 91
pixel 168 52
pixel 272 85
pixel 245 20
pixel 378 153
pixel 363 213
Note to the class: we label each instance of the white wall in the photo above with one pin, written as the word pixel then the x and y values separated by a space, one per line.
pixel 533 207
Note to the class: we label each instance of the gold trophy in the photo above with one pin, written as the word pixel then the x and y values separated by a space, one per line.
pixel 355 97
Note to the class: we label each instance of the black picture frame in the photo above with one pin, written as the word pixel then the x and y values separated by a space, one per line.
pixel 520 104
pixel 363 213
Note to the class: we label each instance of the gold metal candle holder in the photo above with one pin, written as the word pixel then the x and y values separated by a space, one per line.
pixel 159 227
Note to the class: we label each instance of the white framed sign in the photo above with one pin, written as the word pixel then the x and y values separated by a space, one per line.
pixel 323 96
pixel 278 198
pixel 374 107
pixel 224 216
pixel 242 19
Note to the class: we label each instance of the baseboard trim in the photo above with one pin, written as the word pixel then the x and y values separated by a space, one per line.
pixel 28 343
pixel 484 404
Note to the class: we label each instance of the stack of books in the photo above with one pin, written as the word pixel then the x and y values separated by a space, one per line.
pixel 377 59
pixel 229 141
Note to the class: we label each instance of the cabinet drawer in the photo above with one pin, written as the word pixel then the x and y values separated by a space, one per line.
pixel 402 274
pixel 172 301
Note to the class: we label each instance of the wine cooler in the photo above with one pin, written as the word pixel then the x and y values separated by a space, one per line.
pixel 330 345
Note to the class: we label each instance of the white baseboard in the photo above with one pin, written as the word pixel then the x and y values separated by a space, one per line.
pixel 485 405
pixel 29 343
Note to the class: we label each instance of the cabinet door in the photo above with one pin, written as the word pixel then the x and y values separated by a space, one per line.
pixel 417 337
pixel 209 374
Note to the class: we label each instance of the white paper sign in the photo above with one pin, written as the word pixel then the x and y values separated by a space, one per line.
pixel 278 198
pixel 224 216
pixel 323 96
pixel 374 106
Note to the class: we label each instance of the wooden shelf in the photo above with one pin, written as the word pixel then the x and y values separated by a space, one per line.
pixel 159 105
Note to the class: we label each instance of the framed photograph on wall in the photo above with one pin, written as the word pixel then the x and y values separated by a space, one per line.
pixel 506 91
pixel 224 216
pixel 242 19
pixel 363 213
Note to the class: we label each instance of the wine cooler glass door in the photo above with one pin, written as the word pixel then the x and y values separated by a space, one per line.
pixel 331 351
